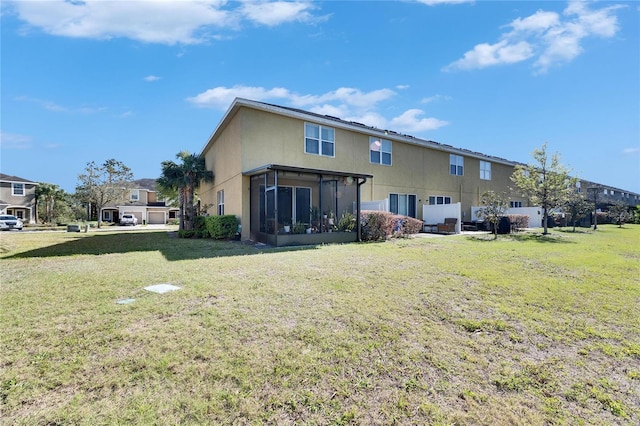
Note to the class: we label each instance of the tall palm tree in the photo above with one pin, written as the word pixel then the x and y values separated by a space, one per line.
pixel 185 178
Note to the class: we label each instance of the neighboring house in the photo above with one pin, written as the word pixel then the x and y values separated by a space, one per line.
pixel 18 197
pixel 143 203
pixel 276 167
pixel 607 195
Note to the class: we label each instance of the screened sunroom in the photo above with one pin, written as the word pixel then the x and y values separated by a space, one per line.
pixel 299 206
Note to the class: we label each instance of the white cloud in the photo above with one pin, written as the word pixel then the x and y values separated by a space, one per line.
pixel 152 78
pixel 548 37
pixel 155 21
pixel 484 55
pixel 276 13
pixel 410 121
pixel 347 103
pixel 631 150
pixel 539 21
pixel 435 98
pixel 439 2
pixel 14 141
pixel 52 106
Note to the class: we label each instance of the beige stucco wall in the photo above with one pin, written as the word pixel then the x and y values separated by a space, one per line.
pixel 253 138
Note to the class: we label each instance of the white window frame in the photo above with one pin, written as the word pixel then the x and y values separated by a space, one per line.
pixel 381 146
pixel 134 195
pixel 485 170
pixel 407 200
pixel 17 192
pixel 515 204
pixel 456 165
pixel 323 138
pixel 220 208
pixel 439 199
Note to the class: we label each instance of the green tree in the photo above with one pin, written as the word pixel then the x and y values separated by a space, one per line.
pixel 546 182
pixel 635 215
pixel 104 184
pixel 577 206
pixel 495 206
pixel 48 198
pixel 619 212
pixel 184 178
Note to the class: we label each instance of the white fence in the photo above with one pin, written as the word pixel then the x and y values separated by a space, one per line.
pixel 434 214
pixel 376 205
pixel 534 213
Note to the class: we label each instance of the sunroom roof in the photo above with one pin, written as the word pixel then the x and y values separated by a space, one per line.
pixel 279 167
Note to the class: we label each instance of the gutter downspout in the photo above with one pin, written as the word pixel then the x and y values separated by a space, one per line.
pixel 359 237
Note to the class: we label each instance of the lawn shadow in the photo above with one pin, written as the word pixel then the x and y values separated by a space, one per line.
pixel 171 247
pixel 523 238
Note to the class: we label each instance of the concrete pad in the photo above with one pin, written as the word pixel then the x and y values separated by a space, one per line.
pixel 162 288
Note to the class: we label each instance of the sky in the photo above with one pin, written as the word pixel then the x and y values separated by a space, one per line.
pixel 140 81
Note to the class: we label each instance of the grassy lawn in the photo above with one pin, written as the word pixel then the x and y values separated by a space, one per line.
pixel 452 330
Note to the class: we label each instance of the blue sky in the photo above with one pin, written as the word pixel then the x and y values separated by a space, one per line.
pixel 139 81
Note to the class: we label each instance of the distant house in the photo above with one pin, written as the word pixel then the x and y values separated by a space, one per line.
pixel 605 196
pixel 18 197
pixel 143 203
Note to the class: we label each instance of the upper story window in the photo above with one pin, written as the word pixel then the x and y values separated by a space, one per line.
pixel 485 170
pixel 456 165
pixel 515 204
pixel 17 188
pixel 319 140
pixel 379 151
pixel 134 195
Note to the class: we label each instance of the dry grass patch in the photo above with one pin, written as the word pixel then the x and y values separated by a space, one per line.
pixel 453 330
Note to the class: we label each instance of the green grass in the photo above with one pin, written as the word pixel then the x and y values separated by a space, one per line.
pixel 528 329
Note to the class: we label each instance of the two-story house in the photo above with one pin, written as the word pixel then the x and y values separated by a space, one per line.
pixel 290 175
pixel 277 167
pixel 18 197
pixel 142 201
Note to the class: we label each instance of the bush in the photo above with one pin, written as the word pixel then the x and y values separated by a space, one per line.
pixel 603 217
pixel 184 233
pixel 379 226
pixel 347 222
pixel 375 225
pixel 519 221
pixel 407 226
pixel 221 227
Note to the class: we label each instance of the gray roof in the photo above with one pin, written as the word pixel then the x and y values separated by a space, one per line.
pixel 9 178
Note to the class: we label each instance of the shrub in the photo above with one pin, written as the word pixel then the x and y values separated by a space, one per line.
pixel 379 226
pixel 405 226
pixel 519 221
pixel 375 225
pixel 347 222
pixel 603 217
pixel 222 227
pixel 186 233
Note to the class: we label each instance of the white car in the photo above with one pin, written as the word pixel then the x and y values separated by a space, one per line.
pixel 128 219
pixel 8 222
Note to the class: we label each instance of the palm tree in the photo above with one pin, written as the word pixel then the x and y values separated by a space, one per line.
pixel 184 178
pixel 47 194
